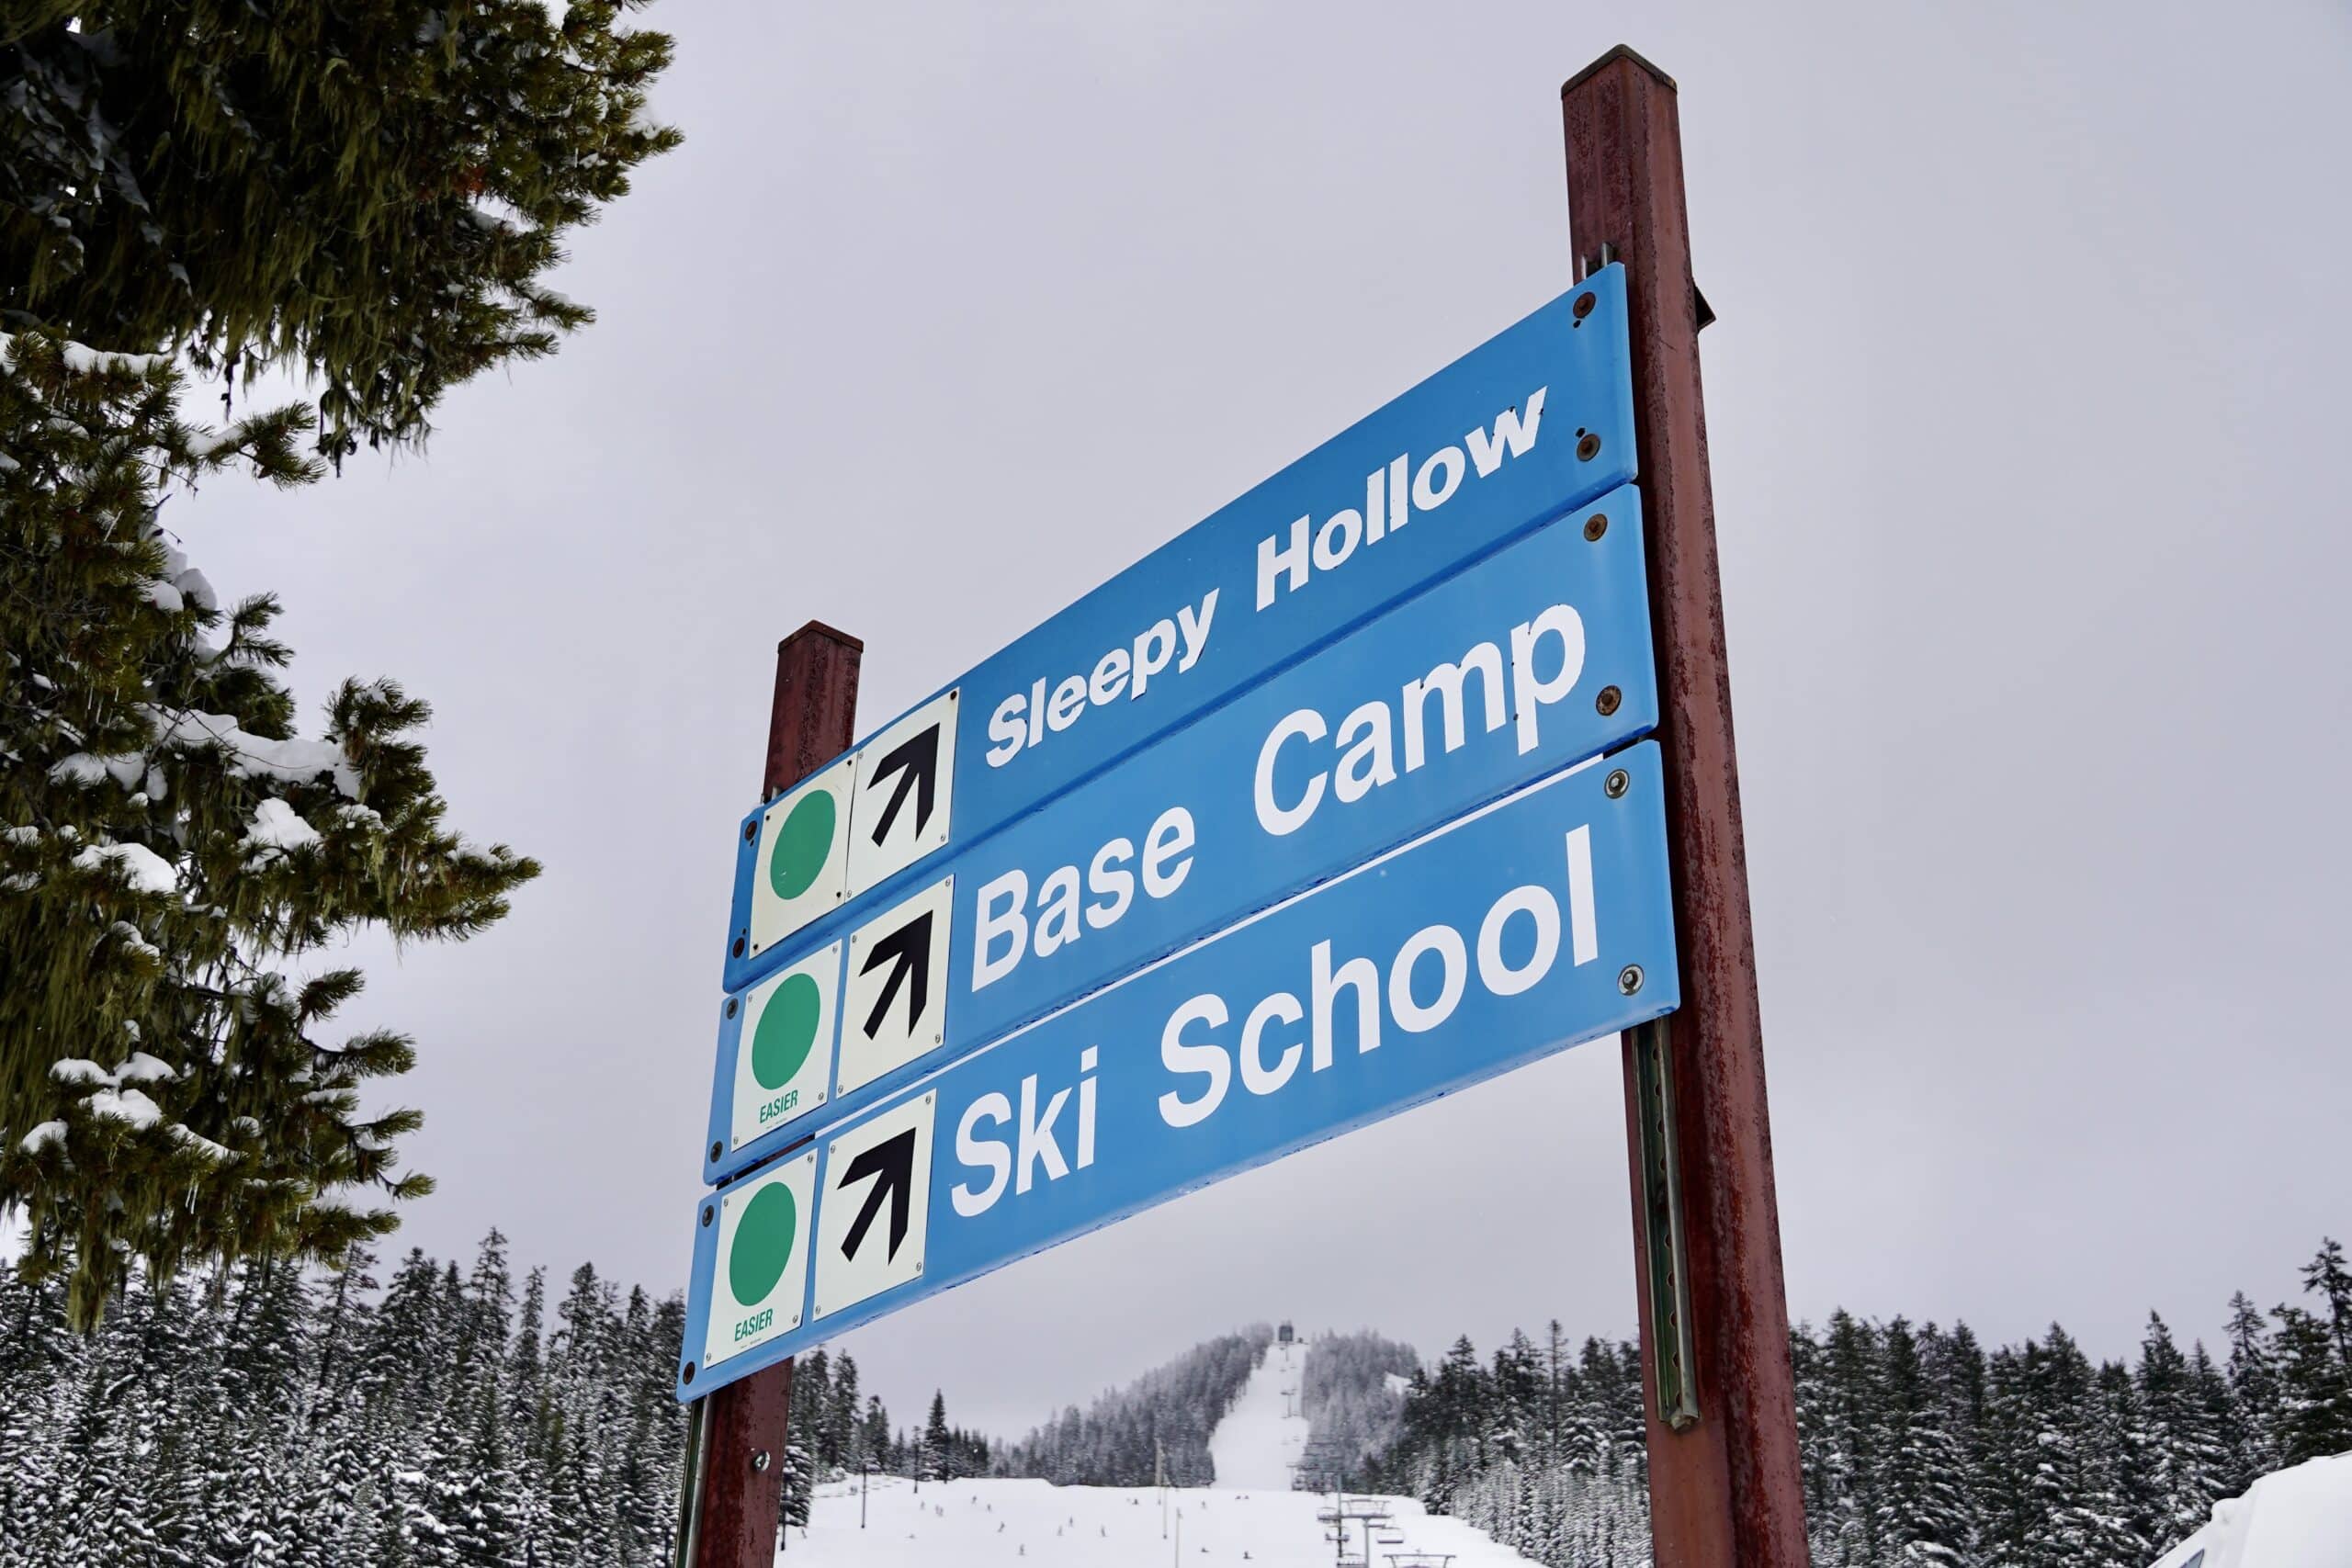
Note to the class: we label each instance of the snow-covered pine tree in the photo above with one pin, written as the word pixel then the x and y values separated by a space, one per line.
pixel 937 1454
pixel 374 202
pixel 2314 1393
pixel 370 207
pixel 165 842
pixel 2254 1389
pixel 2188 1464
pixel 1921 1514
pixel 2328 1277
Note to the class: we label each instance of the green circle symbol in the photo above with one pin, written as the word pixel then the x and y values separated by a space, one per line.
pixel 802 845
pixel 786 1030
pixel 762 1243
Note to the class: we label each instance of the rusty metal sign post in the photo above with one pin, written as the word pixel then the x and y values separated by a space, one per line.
pixel 1725 1487
pixel 737 1435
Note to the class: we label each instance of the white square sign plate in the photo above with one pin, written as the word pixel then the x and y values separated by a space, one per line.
pixel 877 1209
pixel 761 1274
pixel 783 1055
pixel 905 792
pixel 803 867
pixel 893 1004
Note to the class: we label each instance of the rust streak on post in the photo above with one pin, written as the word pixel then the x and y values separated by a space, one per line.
pixel 814 719
pixel 1726 1491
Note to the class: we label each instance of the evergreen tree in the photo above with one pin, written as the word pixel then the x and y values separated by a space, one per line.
pixel 2327 1277
pixel 365 197
pixel 367 192
pixel 164 840
pixel 937 1451
pixel 2314 1395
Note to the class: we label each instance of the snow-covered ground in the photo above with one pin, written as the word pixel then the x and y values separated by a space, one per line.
pixel 2293 1519
pixel 1261 1437
pixel 955 1523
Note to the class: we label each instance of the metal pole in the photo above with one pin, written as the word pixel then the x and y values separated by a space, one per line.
pixel 736 1505
pixel 864 1472
pixel 1725 1488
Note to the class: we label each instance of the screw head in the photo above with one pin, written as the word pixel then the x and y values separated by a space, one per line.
pixel 708 1213
pixel 1584 305
pixel 690 1374
pixel 1596 525
pixel 731 1005
pixel 1629 978
pixel 1607 700
pixel 751 830
pixel 1613 786
pixel 717 1149
pixel 761 1460
pixel 1589 449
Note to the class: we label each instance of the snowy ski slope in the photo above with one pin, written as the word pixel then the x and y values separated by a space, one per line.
pixel 982 1524
pixel 1255 1445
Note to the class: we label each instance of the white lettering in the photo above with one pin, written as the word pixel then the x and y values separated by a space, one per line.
pixel 1116 886
pixel 1337 538
pixel 1429 497
pixel 1487 455
pixel 1086 1059
pixel 1447 680
pixel 976 1151
pixel 1196 632
pixel 1291 560
pixel 1161 635
pixel 1368 762
pixel 1539 907
pixel 1056 910
pixel 1070 701
pixel 1008 922
pixel 1306 725
pixel 1181 1055
pixel 1453 967
pixel 1323 991
pixel 1006 728
pixel 1034 1137
pixel 1110 677
pixel 1170 835
pixel 1528 695
pixel 1255 1077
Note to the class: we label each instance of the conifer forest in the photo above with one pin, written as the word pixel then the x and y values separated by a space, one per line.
pixel 443 1415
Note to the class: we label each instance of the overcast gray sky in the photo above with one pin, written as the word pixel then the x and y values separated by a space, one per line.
pixel 2026 406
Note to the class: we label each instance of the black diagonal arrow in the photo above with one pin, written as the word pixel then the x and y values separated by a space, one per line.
pixel 890 1165
pixel 909 948
pixel 916 763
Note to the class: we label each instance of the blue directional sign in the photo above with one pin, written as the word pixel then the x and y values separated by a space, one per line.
pixel 1528 926
pixel 1535 422
pixel 1536 657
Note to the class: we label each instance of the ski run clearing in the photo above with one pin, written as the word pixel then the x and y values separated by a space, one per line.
pixel 952 1524
pixel 1262 1436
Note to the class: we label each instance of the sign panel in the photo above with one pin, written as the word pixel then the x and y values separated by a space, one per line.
pixel 905 794
pixel 1536 657
pixel 760 1231
pixel 1530 925
pixel 875 1213
pixel 802 861
pixel 1535 420
pixel 788 1030
pixel 896 989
